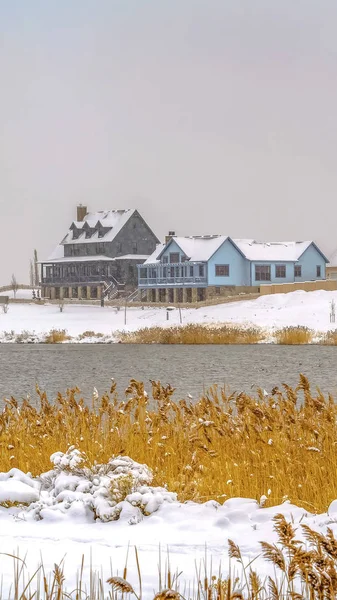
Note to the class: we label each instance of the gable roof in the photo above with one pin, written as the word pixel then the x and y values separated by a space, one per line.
pixel 274 251
pixel 112 220
pixel 195 248
pixel 198 248
pixel 202 248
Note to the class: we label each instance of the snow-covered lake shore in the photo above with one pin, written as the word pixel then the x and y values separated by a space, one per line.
pixel 308 309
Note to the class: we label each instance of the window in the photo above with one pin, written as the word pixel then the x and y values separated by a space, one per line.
pixel 165 259
pixel 119 247
pixel 134 248
pixel 143 273
pixel 183 258
pixel 318 271
pixel 222 270
pixel 298 270
pixel 191 271
pixel 262 272
pixel 280 271
pixel 201 270
pixel 100 248
pixel 174 257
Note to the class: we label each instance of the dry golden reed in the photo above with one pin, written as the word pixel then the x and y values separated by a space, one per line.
pixel 56 336
pixel 194 334
pixel 281 446
pixel 294 335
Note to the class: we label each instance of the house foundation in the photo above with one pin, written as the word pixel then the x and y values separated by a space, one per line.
pixel 187 295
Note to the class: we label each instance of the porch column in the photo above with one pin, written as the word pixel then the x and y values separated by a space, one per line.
pixel 184 295
pixel 99 292
pixel 61 293
pixel 175 296
pixel 157 295
pixel 70 292
pixel 52 293
pixel 148 295
pixel 88 292
pixel 194 294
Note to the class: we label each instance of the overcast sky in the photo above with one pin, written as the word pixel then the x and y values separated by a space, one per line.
pixel 209 116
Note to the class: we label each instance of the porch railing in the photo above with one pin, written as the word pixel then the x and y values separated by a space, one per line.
pixel 73 278
pixel 172 274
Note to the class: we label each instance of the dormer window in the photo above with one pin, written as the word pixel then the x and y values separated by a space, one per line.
pixel 100 233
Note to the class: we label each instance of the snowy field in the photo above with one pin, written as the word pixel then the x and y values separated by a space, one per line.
pixel 309 309
pixel 59 521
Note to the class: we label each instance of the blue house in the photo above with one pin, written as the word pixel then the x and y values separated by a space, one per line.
pixel 189 269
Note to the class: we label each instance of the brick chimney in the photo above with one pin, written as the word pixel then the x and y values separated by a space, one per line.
pixel 81 212
pixel 170 235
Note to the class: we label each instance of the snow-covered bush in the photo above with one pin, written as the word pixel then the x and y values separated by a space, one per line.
pixel 119 489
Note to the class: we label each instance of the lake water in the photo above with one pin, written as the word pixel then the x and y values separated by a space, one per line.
pixel 190 369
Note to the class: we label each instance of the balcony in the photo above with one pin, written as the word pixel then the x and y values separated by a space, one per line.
pixel 76 273
pixel 164 275
pixel 72 278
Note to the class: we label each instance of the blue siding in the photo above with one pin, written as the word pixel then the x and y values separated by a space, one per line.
pixel 228 254
pixel 309 260
pixel 242 271
pixel 289 278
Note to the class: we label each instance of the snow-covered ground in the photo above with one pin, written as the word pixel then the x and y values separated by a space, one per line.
pixel 21 294
pixel 59 520
pixel 311 309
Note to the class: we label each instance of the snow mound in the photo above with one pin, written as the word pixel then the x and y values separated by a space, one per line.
pixel 119 489
pixel 14 491
pixel 17 487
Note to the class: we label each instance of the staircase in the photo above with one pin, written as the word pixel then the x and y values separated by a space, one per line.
pixel 112 288
pixel 134 296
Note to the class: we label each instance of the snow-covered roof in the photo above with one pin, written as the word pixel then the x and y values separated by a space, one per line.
pixel 271 251
pixel 153 258
pixel 113 220
pixel 202 248
pixel 195 248
pixel 132 257
pixel 58 252
pixel 71 259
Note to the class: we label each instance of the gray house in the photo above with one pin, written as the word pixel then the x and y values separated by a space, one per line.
pixel 98 256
